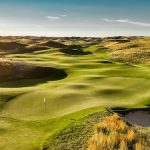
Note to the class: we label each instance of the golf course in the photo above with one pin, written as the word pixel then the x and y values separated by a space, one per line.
pixel 54 90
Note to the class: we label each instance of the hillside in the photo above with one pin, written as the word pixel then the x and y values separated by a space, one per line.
pixel 54 88
pixel 11 70
pixel 132 49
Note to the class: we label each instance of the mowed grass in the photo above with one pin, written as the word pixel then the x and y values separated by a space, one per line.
pixel 93 80
pixel 29 135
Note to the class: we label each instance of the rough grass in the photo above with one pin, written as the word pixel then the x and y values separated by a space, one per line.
pixel 136 50
pixel 110 133
pixel 75 135
pixel 115 134
pixel 11 70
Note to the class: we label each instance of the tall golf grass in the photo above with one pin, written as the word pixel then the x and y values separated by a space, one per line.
pixel 115 134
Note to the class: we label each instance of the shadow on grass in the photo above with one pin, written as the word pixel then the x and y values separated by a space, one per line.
pixel 74 50
pixel 58 75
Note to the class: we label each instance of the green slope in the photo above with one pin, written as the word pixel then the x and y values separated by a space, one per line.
pixel 93 80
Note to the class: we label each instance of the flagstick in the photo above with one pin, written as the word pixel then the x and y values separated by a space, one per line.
pixel 45 105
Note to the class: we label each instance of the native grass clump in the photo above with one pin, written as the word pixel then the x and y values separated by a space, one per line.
pixel 131 49
pixel 115 134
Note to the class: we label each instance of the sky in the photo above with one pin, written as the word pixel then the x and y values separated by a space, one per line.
pixel 91 18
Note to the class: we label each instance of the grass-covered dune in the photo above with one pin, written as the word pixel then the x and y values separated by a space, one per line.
pixel 132 49
pixel 11 70
pixel 99 131
pixel 92 73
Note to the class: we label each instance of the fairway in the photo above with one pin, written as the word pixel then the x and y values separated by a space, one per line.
pixel 93 81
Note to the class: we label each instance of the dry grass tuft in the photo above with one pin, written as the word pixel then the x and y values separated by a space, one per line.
pixel 136 50
pixel 114 134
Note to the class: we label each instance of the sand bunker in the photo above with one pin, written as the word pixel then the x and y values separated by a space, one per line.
pixel 141 118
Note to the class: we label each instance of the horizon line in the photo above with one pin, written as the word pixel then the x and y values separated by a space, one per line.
pixel 74 36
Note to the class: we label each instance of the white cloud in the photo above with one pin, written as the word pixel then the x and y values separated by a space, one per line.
pixel 64 15
pixel 56 17
pixel 142 24
pixel 107 20
pixel 53 17
pixel 123 20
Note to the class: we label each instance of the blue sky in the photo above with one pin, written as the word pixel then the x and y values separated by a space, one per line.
pixel 75 18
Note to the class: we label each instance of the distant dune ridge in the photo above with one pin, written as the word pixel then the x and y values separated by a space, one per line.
pixel 54 44
pixel 132 49
pixel 10 46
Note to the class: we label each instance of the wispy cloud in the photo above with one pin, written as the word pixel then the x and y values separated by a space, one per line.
pixel 64 15
pixel 53 17
pixel 142 24
pixel 56 17
pixel 107 20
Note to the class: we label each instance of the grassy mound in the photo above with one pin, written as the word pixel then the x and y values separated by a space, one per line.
pixel 10 46
pixel 75 50
pixel 28 135
pixel 74 136
pixel 18 70
pixel 53 44
pixel 30 49
pixel 136 49
pixel 110 133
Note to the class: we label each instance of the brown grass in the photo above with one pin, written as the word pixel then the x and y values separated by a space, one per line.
pixel 136 51
pixel 114 134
